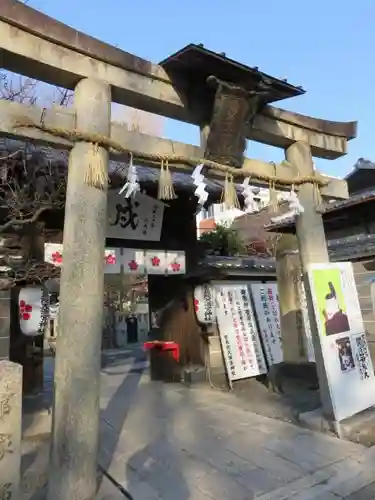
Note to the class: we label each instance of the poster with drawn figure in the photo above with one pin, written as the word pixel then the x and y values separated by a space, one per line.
pixel 112 261
pixel 134 218
pixel 335 299
pixel 266 304
pixel 133 261
pixel 332 317
pixel 176 262
pixel 343 340
pixel 53 253
pixel 238 332
pixel 156 262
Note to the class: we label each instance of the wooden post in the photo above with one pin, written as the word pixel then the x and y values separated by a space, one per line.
pixel 313 249
pixel 75 426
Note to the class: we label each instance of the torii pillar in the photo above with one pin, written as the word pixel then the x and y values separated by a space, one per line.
pixel 313 249
pixel 75 426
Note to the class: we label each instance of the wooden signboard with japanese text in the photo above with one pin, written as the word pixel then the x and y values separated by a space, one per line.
pixel 134 218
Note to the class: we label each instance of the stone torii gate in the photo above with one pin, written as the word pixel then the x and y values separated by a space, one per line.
pixel 40 47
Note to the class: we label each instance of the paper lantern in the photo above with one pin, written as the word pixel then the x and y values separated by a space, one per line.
pixel 33 304
pixel 204 303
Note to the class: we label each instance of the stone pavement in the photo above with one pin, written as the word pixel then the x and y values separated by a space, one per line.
pixel 169 442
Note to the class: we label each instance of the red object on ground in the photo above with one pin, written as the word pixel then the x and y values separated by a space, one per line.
pixel 164 346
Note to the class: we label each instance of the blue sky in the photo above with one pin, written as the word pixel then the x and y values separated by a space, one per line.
pixel 327 46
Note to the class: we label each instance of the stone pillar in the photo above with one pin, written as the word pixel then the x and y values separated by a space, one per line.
pixel 313 249
pixel 4 324
pixel 10 429
pixel 288 271
pixel 75 425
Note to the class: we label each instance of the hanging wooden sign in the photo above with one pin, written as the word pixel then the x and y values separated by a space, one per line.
pixel 135 218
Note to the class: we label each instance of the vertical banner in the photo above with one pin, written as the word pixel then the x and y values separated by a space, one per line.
pixel 266 304
pixel 307 337
pixel 238 331
pixel 342 336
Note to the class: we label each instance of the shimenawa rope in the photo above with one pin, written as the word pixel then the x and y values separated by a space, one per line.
pixel 97 176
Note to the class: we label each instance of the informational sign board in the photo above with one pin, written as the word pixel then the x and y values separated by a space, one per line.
pixel 343 339
pixel 266 304
pixel 239 335
pixel 134 218
pixel 204 303
pixel 307 337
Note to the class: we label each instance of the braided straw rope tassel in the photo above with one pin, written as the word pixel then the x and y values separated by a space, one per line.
pixel 166 190
pixel 95 173
pixel 317 195
pixel 229 195
pixel 273 203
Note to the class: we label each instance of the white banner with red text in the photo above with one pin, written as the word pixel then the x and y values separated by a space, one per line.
pixel 266 302
pixel 238 331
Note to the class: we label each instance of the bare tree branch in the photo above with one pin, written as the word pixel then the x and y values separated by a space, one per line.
pixel 23 222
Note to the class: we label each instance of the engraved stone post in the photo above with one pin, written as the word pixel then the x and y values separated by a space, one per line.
pixel 75 426
pixel 10 429
pixel 4 323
